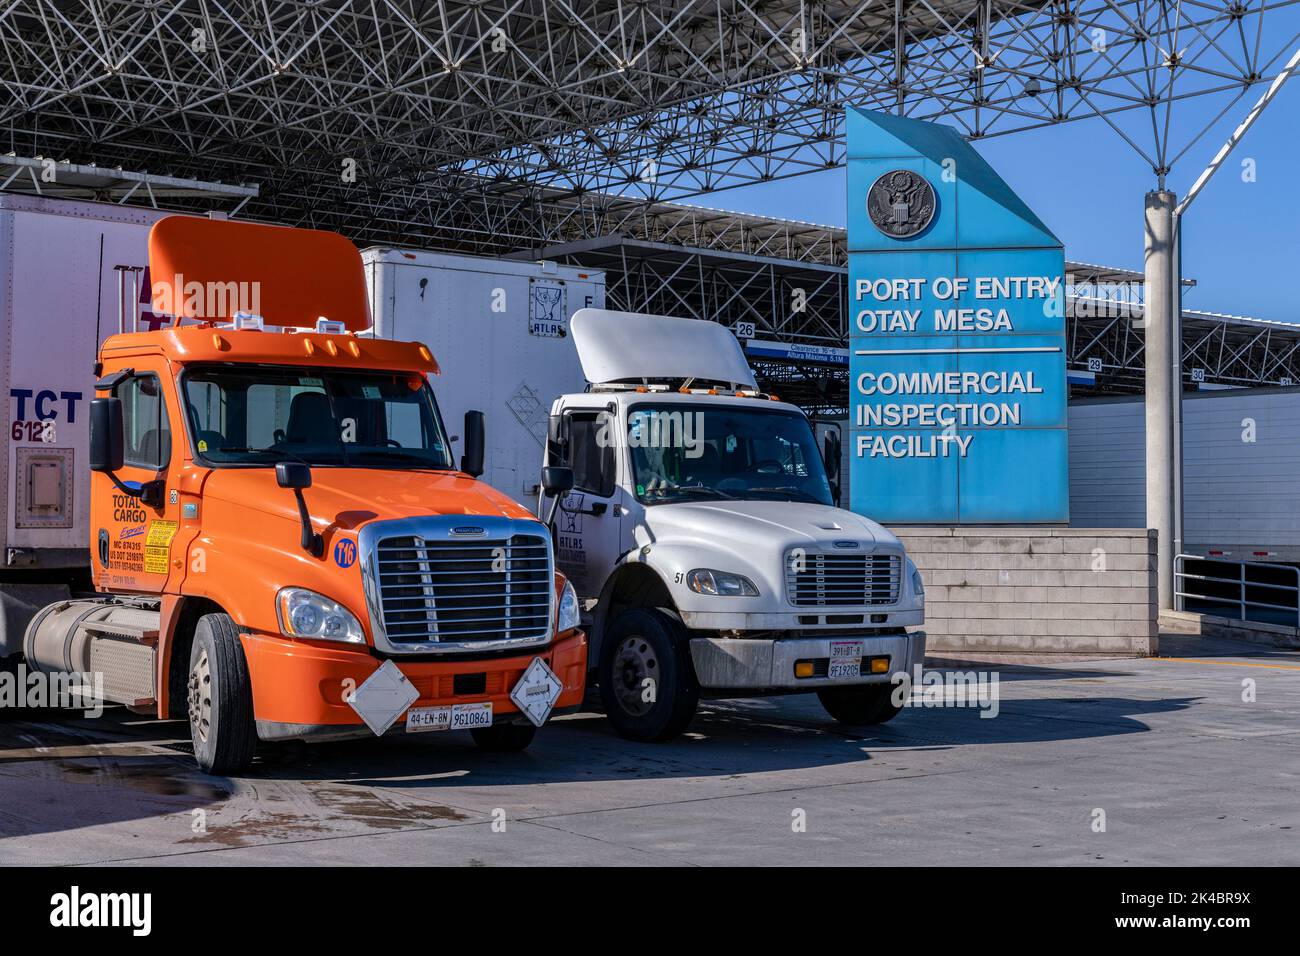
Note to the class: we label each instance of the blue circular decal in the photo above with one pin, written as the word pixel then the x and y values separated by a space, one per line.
pixel 345 554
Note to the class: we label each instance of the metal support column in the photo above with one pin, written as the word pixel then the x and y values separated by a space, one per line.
pixel 1158 331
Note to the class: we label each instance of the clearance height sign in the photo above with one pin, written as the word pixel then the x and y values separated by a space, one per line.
pixel 957 335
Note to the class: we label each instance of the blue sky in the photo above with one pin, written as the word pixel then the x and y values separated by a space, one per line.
pixel 1241 240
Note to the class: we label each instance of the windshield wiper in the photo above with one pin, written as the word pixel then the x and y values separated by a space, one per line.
pixel 804 496
pixel 399 455
pixel 241 450
pixel 686 489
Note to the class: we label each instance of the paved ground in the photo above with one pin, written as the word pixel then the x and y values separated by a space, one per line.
pixel 1185 771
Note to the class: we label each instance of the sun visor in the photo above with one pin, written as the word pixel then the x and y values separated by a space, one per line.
pixel 209 269
pixel 627 347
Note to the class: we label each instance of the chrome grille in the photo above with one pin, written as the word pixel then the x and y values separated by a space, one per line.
pixel 446 591
pixel 842 580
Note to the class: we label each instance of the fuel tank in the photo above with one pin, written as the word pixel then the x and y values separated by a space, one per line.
pixel 106 637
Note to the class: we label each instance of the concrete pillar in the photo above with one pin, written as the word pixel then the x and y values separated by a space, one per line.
pixel 1159 326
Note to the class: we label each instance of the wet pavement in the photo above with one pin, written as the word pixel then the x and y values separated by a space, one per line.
pixel 1157 761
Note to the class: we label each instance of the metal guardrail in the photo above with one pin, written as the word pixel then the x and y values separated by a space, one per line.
pixel 1249 590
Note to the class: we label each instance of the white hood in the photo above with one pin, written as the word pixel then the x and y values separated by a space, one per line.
pixel 754 527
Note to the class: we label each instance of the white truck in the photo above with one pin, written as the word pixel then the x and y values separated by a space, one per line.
pixel 703 541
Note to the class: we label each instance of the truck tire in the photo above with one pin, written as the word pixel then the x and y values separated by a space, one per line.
pixel 647 645
pixel 504 738
pixel 220 698
pixel 862 704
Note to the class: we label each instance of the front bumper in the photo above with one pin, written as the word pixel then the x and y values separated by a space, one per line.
pixel 743 664
pixel 829 618
pixel 298 688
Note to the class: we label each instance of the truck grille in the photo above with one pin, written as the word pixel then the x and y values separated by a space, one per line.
pixel 447 591
pixel 843 580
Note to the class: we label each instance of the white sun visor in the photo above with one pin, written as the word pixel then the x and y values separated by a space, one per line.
pixel 629 347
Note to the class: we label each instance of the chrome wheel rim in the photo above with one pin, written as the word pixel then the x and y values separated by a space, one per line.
pixel 200 697
pixel 635 663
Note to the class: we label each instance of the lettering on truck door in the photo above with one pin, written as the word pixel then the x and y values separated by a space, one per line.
pixel 589 518
pixel 140 536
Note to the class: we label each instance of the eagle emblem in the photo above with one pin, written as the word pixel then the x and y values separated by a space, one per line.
pixel 900 203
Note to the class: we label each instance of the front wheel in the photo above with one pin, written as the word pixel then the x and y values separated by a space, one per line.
pixel 647 683
pixel 861 704
pixel 503 738
pixel 220 698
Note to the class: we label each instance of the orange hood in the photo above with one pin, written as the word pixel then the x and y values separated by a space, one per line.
pixel 350 497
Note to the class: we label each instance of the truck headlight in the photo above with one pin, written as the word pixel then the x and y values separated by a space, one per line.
pixel 305 613
pixel 720 583
pixel 570 614
pixel 918 588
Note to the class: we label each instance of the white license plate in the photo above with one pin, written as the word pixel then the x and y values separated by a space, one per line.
pixel 471 716
pixel 846 660
pixel 421 719
pixel 455 717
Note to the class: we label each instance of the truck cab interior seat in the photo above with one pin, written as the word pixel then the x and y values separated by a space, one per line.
pixel 310 421
pixel 152 444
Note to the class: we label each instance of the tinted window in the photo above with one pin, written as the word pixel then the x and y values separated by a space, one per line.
pixel 148 437
pixel 591 453
pixel 263 414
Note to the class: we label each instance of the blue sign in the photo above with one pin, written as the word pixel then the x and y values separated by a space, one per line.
pixel 956 335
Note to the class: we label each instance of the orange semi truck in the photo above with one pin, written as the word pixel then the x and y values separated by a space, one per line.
pixel 282 544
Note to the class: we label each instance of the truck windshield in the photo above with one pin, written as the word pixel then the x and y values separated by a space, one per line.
pixel 259 415
pixel 681 452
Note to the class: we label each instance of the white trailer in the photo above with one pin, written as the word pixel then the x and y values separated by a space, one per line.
pixel 1241 453
pixel 61 264
pixel 500 331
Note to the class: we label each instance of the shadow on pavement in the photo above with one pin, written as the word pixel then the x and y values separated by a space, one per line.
pixel 75 773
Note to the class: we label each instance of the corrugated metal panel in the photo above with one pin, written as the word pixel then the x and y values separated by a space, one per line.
pixel 1242 457
pixel 1107 465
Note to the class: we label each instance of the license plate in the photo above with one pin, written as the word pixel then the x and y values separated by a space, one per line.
pixel 422 719
pixel 471 716
pixel 455 717
pixel 846 660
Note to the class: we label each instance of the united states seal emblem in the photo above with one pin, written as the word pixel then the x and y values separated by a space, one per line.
pixel 900 203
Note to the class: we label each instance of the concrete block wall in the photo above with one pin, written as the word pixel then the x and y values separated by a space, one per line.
pixel 1018 590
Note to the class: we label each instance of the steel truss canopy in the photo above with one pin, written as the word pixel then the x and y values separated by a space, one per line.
pixel 486 126
pixel 63 180
pixel 789 281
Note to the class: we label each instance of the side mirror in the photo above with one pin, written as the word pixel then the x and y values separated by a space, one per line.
pixel 831 455
pixel 293 474
pixel 471 462
pixel 835 493
pixel 107 442
pixel 296 475
pixel 557 430
pixel 557 480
